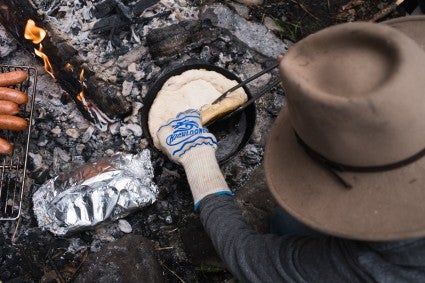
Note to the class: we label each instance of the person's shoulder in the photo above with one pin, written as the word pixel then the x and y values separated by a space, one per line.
pixel 402 245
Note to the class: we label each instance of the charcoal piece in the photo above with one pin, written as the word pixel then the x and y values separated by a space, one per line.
pixel 106 97
pixel 109 23
pixel 142 5
pixel 104 8
pixel 124 10
pixel 172 40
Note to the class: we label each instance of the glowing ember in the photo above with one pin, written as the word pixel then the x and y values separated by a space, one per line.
pixel 36 35
pixel 69 68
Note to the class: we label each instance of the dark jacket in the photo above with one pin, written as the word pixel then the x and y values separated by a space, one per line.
pixel 253 257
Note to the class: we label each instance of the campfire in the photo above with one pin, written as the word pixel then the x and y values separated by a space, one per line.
pixel 94 114
pixel 96 63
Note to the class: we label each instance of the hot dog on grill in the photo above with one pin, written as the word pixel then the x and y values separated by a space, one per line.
pixel 12 123
pixel 14 95
pixel 13 77
pixel 5 147
pixel 8 107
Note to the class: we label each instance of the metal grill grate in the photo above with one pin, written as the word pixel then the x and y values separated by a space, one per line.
pixel 13 168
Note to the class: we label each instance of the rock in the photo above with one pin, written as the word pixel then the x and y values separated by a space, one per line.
pixel 250 2
pixel 198 245
pixel 272 25
pixel 256 201
pixel 241 10
pixel 254 35
pixel 129 259
pixel 124 226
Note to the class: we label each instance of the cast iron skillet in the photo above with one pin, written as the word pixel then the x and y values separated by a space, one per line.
pixel 232 133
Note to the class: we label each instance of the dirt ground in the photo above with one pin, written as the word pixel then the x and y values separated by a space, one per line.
pixel 299 18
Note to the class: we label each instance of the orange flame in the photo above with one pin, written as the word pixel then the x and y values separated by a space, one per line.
pixel 47 66
pixel 36 35
pixel 81 97
pixel 69 68
pixel 82 76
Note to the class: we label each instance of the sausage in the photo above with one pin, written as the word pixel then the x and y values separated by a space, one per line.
pixel 13 123
pixel 5 147
pixel 8 107
pixel 14 95
pixel 13 77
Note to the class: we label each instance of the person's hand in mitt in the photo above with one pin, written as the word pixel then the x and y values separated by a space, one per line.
pixel 186 142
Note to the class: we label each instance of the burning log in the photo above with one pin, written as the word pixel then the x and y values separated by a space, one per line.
pixel 98 101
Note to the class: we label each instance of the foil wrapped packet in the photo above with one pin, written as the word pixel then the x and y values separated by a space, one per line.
pixel 108 189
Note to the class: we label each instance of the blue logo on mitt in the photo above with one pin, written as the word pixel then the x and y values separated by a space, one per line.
pixel 183 130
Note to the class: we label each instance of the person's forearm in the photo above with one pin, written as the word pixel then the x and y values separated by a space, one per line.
pixel 248 255
pixel 203 174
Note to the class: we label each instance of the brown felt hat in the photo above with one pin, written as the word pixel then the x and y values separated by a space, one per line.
pixel 345 156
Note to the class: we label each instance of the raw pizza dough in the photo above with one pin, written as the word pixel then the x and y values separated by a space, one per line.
pixel 193 89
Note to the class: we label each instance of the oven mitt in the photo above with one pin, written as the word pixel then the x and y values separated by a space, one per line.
pixel 186 142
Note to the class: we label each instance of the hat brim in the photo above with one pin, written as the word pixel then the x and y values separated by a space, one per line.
pixel 382 206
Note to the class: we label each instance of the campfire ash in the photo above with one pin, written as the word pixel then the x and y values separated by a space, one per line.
pixel 128 45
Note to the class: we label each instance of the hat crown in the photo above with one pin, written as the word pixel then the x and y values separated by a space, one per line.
pixel 356 94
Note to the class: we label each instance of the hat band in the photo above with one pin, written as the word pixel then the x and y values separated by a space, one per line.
pixel 333 166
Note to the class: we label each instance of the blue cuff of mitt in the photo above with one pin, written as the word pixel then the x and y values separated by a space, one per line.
pixel 198 203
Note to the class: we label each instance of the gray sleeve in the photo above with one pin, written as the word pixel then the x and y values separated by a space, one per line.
pixel 254 257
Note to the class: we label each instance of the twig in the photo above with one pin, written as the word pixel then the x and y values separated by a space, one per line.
pixel 305 9
pixel 172 272
pixel 79 266
pixel 386 11
pixel 164 248
pixel 16 229
pixel 55 269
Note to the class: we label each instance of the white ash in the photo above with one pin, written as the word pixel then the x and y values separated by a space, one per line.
pixel 88 134
pixel 37 160
pixel 127 87
pixel 128 129
pixel 7 45
pixel 77 15
pixel 73 133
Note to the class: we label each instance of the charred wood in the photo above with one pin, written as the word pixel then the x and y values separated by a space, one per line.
pixel 66 63
pixel 142 5
pixel 108 24
pixel 104 8
pixel 172 40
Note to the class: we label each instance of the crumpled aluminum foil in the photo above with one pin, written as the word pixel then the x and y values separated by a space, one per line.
pixel 108 189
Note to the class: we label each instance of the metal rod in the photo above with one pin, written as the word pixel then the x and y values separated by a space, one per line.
pixel 243 83
pixel 262 92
